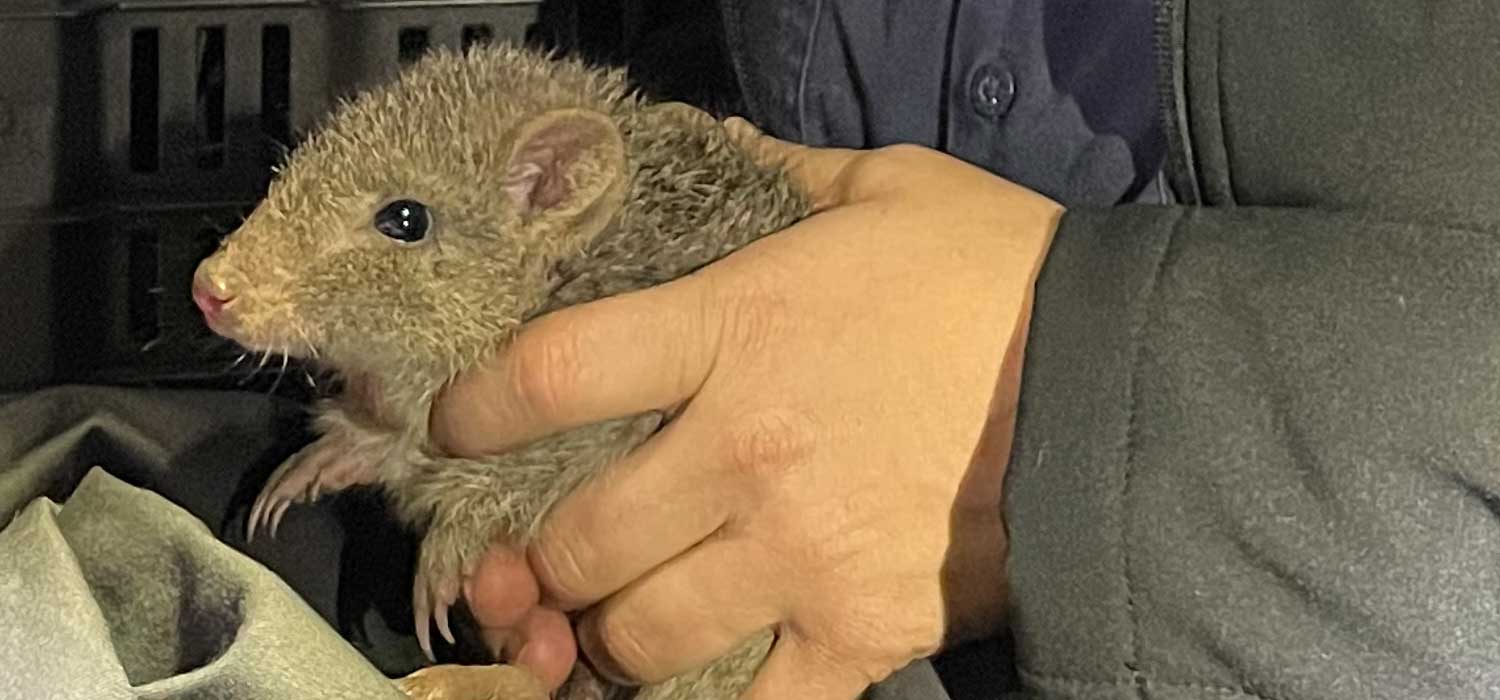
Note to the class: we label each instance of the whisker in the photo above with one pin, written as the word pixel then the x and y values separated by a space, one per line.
pixel 307 342
pixel 246 378
pixel 280 374
pixel 229 369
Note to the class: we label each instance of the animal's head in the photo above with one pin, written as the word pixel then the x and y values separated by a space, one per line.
pixel 417 226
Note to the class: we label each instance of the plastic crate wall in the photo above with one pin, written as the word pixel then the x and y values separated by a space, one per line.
pixel 133 135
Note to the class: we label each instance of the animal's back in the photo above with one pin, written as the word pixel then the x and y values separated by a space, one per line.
pixel 693 198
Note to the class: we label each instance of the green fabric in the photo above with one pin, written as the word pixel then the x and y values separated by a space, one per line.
pixel 1257 448
pixel 119 594
pixel 124 572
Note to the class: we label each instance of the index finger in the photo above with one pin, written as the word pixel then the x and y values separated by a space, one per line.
pixel 819 172
pixel 613 357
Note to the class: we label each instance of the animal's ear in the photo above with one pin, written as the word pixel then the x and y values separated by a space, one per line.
pixel 564 161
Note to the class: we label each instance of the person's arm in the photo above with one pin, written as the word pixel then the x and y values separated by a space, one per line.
pixel 1256 451
pixel 1257 455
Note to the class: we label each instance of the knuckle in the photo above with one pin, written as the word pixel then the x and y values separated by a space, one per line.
pixel 904 151
pixel 766 444
pixel 624 648
pixel 883 169
pixel 547 369
pixel 755 313
pixel 560 565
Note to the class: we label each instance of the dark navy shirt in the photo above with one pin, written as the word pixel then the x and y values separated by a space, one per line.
pixel 1057 95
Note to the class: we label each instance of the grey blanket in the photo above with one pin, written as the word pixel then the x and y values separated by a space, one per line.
pixel 119 594
pixel 124 572
pixel 112 590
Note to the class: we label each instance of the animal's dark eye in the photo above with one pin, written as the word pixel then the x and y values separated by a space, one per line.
pixel 404 220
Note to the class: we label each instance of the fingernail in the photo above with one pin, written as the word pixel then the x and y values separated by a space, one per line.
pixel 589 644
pixel 740 128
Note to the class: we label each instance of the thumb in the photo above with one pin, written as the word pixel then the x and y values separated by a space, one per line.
pixel 797 669
pixel 611 358
pixel 820 172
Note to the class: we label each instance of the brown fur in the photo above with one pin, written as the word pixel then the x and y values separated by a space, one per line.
pixel 662 193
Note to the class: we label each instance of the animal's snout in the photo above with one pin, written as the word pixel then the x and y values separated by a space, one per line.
pixel 210 297
pixel 209 304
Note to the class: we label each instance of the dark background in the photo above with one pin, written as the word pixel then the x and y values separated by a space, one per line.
pixel 132 138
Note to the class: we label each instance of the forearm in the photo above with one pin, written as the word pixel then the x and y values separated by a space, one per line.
pixel 1253 453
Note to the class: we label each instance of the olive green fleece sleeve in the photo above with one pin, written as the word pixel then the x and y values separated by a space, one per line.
pixel 1258 456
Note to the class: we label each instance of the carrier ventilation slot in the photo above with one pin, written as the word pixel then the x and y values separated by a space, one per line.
pixel 208 115
pixel 476 34
pixel 143 278
pixel 276 84
pixel 145 97
pixel 411 43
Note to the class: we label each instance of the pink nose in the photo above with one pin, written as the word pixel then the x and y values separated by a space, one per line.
pixel 210 305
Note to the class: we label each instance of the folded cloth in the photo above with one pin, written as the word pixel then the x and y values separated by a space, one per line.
pixel 118 593
pixel 124 572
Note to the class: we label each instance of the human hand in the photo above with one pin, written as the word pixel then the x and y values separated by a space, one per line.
pixel 845 394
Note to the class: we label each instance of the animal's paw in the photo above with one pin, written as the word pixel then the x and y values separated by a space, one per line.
pixel 450 553
pixel 453 682
pixel 332 463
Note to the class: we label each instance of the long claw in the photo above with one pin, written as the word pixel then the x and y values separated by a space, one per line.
pixel 262 516
pixel 265 516
pixel 318 463
pixel 442 622
pixel 276 519
pixel 256 520
pixel 421 612
pixel 250 520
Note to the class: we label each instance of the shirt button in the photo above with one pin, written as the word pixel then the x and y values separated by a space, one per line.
pixel 992 90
